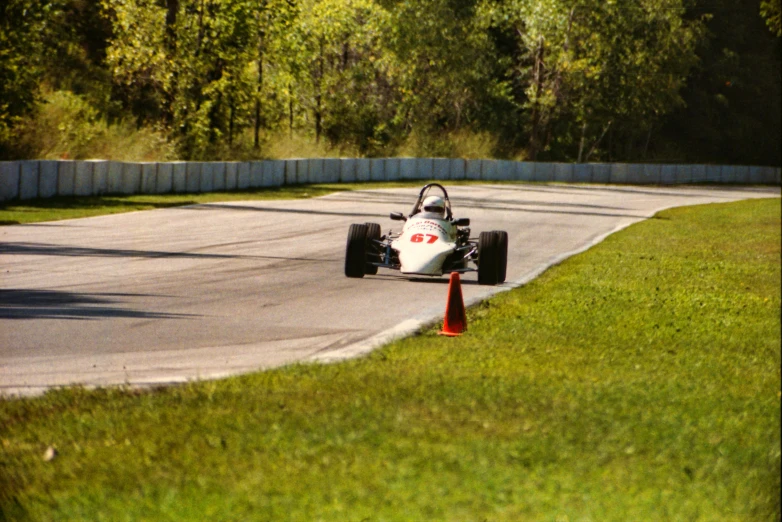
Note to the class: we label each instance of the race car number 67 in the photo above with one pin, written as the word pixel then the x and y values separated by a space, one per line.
pixel 419 238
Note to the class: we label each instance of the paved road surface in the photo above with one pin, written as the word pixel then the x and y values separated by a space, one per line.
pixel 211 290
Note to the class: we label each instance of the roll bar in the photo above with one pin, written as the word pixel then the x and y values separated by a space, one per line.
pixel 424 192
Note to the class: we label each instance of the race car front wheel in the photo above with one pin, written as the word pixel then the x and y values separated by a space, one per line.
pixel 356 252
pixel 492 257
pixel 502 261
pixel 488 258
pixel 373 234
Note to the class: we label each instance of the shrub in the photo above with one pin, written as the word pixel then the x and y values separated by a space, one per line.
pixel 65 125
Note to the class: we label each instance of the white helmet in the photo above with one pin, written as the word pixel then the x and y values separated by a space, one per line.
pixel 434 205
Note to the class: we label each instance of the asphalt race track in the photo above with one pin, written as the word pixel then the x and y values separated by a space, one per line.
pixel 211 290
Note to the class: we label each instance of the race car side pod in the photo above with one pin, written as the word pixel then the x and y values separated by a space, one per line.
pixel 455 317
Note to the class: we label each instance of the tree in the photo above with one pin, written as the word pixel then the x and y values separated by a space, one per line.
pixel 771 10
pixel 444 65
pixel 733 111
pixel 562 79
pixel 274 21
pixel 23 28
pixel 344 83
pixel 136 57
pixel 584 69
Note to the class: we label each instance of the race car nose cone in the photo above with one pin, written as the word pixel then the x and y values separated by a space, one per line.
pixel 425 259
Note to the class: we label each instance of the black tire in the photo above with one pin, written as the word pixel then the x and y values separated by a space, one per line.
pixel 356 252
pixel 373 233
pixel 488 258
pixel 502 262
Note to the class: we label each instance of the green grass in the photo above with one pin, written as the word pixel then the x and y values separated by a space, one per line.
pixel 70 207
pixel 57 208
pixel 639 380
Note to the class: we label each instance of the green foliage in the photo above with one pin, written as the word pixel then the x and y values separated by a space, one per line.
pixel 444 65
pixel 772 12
pixel 553 79
pixel 346 87
pixel 733 98
pixel 582 70
pixel 65 125
pixel 75 53
pixel 200 68
pixel 458 144
pixel 70 121
pixel 22 25
pixel 49 45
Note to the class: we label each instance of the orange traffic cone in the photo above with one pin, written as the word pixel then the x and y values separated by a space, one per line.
pixel 455 317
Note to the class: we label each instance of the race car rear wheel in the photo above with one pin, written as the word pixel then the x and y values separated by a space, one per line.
pixel 502 262
pixel 488 258
pixel 355 252
pixel 373 233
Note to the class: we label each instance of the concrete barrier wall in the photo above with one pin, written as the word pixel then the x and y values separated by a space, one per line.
pixel 9 179
pixel 164 181
pixel 31 179
pixel 66 178
pixel 100 177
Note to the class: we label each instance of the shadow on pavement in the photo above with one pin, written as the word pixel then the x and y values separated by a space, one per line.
pixel 438 280
pixel 51 304
pixel 219 206
pixel 458 204
pixel 659 190
pixel 44 249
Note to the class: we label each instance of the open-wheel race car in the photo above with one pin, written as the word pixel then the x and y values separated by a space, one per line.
pixel 431 243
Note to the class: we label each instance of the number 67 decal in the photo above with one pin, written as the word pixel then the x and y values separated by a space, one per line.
pixel 419 238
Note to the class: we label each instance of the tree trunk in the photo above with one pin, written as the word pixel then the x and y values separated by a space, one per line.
pixel 231 119
pixel 200 28
pixel 172 8
pixel 596 143
pixel 214 119
pixel 646 144
pixel 581 142
pixel 534 142
pixel 259 20
pixel 258 94
pixel 319 96
pixel 290 108
pixel 611 145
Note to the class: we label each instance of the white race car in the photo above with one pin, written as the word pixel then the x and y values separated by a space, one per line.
pixel 431 243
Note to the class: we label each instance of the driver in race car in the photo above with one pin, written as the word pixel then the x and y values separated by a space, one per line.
pixel 430 217
pixel 434 208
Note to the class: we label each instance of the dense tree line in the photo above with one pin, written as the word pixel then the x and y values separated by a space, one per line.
pixel 572 80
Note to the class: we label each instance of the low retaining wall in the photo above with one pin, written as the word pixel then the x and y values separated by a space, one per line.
pixel 30 179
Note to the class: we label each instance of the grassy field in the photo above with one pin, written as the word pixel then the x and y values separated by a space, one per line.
pixel 639 380
pixel 70 207
pixel 53 209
